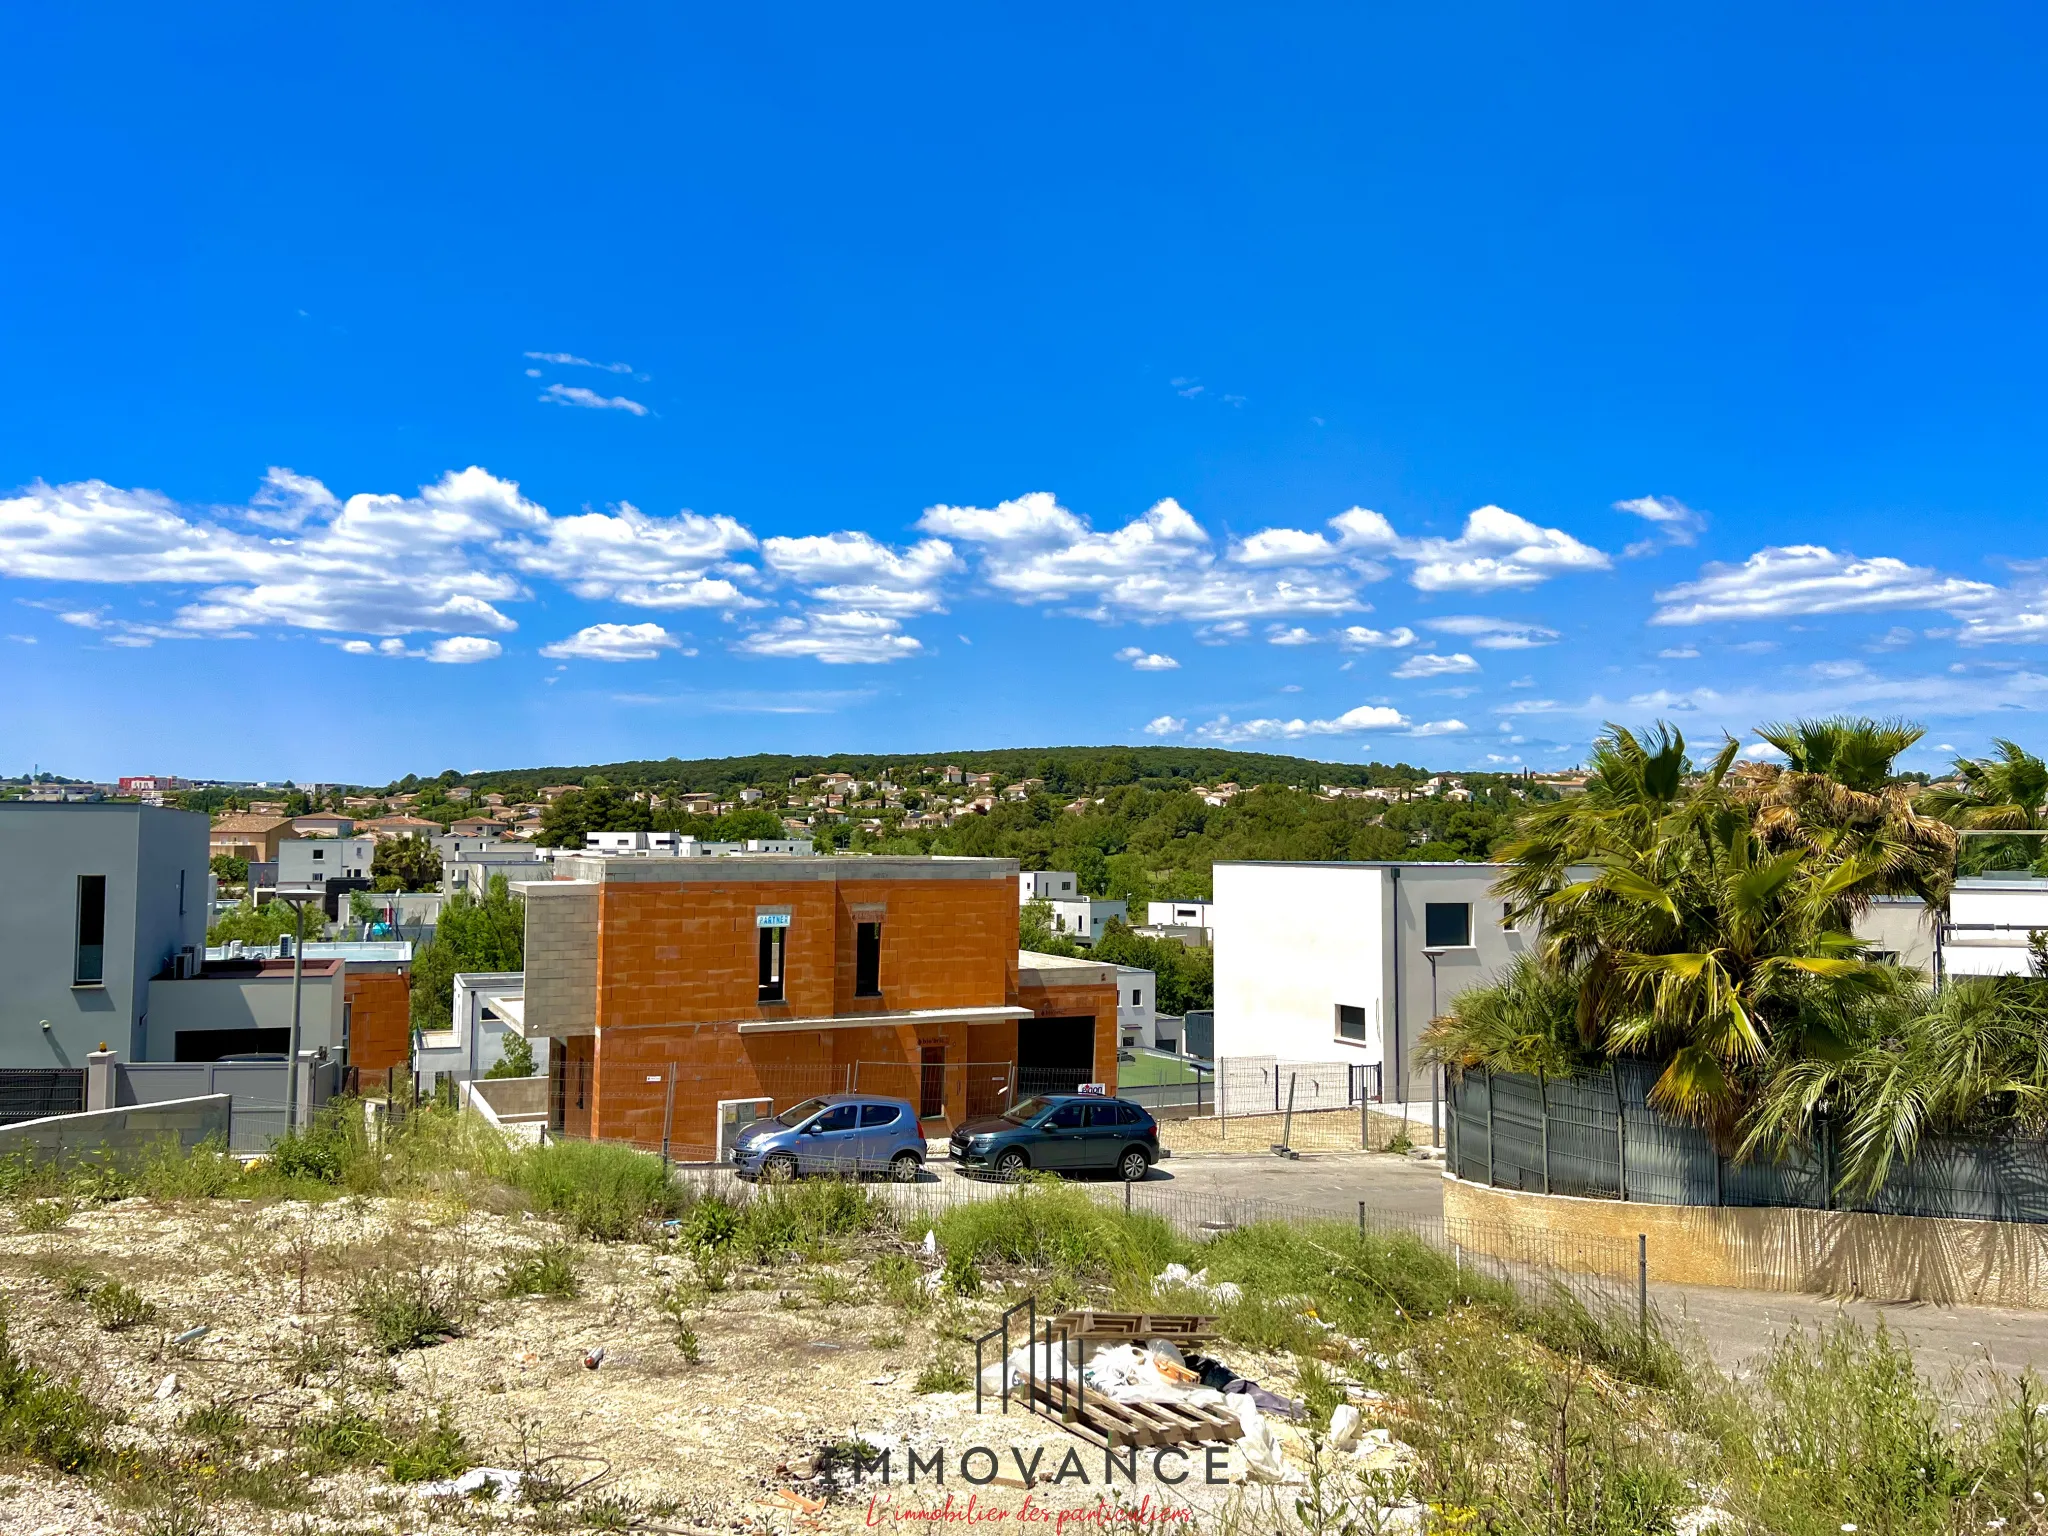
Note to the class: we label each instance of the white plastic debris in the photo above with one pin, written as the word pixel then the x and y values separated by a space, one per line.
pixel 1344 1423
pixel 1050 1361
pixel 503 1484
pixel 1259 1446
pixel 931 1241
pixel 191 1335
pixel 167 1388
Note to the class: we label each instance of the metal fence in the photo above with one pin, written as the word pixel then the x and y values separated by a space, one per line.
pixel 35 1093
pixel 1603 1272
pixel 1264 1085
pixel 256 1088
pixel 1599 1136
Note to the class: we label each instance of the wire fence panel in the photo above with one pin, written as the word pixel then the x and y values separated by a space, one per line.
pixel 35 1093
pixel 1584 1140
pixel 1260 1085
pixel 1518 1130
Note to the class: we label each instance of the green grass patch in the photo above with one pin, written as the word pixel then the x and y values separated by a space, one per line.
pixel 1051 1226
pixel 46 1420
pixel 549 1272
pixel 603 1191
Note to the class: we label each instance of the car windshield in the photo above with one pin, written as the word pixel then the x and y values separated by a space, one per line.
pixel 1028 1111
pixel 797 1114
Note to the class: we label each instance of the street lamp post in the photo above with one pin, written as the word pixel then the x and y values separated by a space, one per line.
pixel 298 900
pixel 1435 1070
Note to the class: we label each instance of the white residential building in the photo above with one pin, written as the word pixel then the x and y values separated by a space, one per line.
pixel 311 861
pixel 1334 962
pixel 1046 885
pixel 1083 918
pixel 1137 1013
pixel 1181 914
pixel 1990 919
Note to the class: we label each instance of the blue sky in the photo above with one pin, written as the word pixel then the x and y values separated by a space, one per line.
pixel 407 388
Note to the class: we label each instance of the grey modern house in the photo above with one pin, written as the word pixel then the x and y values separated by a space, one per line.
pixel 96 901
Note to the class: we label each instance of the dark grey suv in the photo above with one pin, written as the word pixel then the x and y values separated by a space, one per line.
pixel 1061 1133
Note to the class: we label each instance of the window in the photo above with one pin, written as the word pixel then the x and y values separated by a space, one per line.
pixel 1100 1115
pixel 771 964
pixel 319 853
pixel 1507 919
pixel 1137 996
pixel 89 965
pixel 1066 1118
pixel 867 960
pixel 181 893
pixel 843 1117
pixel 1350 1022
pixel 879 1114
pixel 1446 925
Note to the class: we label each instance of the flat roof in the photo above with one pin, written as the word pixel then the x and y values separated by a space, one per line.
pixel 595 865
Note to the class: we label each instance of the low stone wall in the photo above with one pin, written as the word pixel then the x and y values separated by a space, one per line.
pixel 131 1130
pixel 1852 1253
pixel 513 1098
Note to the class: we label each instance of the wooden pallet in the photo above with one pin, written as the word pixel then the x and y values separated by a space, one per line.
pixel 1103 1421
pixel 1175 1327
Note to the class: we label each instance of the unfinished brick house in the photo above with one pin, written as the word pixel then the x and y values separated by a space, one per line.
pixel 682 991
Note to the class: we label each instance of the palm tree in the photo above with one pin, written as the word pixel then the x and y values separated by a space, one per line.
pixel 1691 933
pixel 1855 753
pixel 1521 1023
pixel 1837 790
pixel 2003 793
pixel 1918 1062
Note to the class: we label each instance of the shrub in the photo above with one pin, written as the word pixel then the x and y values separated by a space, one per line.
pixel 414 1450
pixel 1057 1227
pixel 119 1306
pixel 169 1172
pixel 334 1149
pixel 550 1272
pixel 943 1374
pixel 711 1223
pixel 46 1420
pixel 409 1309
pixel 222 1423
pixel 45 1215
pixel 603 1190
pixel 900 1279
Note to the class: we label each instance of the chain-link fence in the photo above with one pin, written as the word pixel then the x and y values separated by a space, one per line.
pixel 1599 1136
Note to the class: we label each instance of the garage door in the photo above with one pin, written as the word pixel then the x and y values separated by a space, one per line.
pixel 1055 1055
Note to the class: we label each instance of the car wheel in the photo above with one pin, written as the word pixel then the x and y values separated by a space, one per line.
pixel 904 1167
pixel 1012 1164
pixel 1133 1165
pixel 778 1168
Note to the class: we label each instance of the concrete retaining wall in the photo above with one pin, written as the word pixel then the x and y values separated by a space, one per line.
pixel 1888 1258
pixel 513 1098
pixel 131 1130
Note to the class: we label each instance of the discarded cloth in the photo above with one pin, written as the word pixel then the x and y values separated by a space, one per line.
pixel 1048 1357
pixel 502 1482
pixel 1127 1374
pixel 1214 1373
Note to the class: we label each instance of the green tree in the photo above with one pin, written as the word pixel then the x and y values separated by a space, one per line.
pixel 1854 753
pixel 1184 975
pixel 517 1060
pixel 1688 936
pixel 263 925
pixel 228 869
pixel 2005 793
pixel 749 821
pixel 487 935
pixel 406 864
pixel 1036 933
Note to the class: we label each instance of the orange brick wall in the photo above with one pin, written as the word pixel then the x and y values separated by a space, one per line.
pixel 688 953
pixel 379 1020
pixel 678 968
pixel 1098 998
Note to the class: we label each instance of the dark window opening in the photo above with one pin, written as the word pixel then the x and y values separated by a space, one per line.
pixel 214 1044
pixel 771 964
pixel 1137 996
pixel 879 1114
pixel 89 966
pixel 1350 1022
pixel 1446 925
pixel 867 960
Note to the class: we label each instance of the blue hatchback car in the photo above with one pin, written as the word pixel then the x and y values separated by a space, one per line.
pixel 843 1133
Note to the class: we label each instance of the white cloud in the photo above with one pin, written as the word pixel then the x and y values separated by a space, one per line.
pixel 614 642
pixel 1165 725
pixel 1144 661
pixel 1759 751
pixel 645 562
pixel 1495 634
pixel 1679 652
pixel 589 399
pixel 1441 728
pixel 458 650
pixel 841 638
pixel 1498 550
pixel 1281 634
pixel 1898 637
pixel 1367 717
pixel 1356 637
pixel 1789 580
pixel 1430 664
pixel 570 360
pixel 1161 565
pixel 1671 519
pixel 1358 531
pixel 857 571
